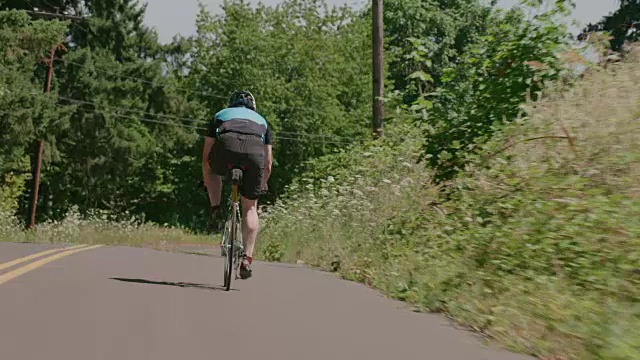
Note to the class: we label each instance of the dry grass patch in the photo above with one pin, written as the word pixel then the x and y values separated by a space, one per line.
pixel 101 229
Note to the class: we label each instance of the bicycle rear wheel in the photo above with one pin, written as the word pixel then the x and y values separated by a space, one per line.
pixel 238 246
pixel 231 236
pixel 233 233
pixel 229 250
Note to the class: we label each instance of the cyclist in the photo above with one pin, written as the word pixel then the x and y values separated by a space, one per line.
pixel 238 135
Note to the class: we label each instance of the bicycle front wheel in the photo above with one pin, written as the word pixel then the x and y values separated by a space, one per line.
pixel 232 236
pixel 228 254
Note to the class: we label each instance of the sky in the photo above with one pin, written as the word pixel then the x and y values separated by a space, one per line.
pixel 171 17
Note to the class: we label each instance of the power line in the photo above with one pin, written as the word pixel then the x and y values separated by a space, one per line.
pixel 131 110
pixel 314 141
pixel 208 94
pixel 332 138
pixel 287 133
pixel 184 90
pixel 49 16
pixel 317 135
pixel 138 80
pixel 189 91
pixel 98 111
pixel 142 119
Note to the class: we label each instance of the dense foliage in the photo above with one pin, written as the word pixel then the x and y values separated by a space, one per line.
pixel 514 59
pixel 124 121
pixel 426 37
pixel 503 249
pixel 535 244
pixel 25 113
pixel 621 25
pixel 306 64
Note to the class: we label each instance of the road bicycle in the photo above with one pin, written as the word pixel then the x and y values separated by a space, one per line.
pixel 232 246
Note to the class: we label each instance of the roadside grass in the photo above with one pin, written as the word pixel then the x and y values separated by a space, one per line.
pixel 536 245
pixel 101 229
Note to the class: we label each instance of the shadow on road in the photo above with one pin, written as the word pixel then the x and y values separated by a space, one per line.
pixel 176 284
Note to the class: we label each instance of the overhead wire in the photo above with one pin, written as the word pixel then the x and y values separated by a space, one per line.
pixel 132 110
pixel 337 139
pixel 347 139
pixel 184 90
pixel 143 119
pixel 208 94
pixel 188 91
pixel 98 111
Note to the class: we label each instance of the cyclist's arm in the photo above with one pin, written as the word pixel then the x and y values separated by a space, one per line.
pixel 209 140
pixel 206 151
pixel 268 161
pixel 268 158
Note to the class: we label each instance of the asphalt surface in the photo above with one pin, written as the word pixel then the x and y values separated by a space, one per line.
pixel 124 303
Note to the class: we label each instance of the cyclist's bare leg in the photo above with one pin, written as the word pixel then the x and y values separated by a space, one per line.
pixel 249 224
pixel 214 188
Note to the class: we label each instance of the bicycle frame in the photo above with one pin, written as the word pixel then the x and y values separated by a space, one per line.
pixel 232 245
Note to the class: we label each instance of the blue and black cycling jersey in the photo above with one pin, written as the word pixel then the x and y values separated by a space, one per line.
pixel 240 120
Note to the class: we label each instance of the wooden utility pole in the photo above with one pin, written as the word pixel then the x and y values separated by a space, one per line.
pixel 38 164
pixel 47 89
pixel 378 78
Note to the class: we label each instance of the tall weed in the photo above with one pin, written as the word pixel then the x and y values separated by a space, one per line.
pixel 536 244
pixel 99 227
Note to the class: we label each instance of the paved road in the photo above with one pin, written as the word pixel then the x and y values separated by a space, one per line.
pixel 123 303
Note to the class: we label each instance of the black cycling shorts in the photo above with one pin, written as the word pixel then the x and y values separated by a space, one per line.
pixel 234 149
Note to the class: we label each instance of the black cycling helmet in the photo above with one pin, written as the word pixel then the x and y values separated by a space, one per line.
pixel 242 98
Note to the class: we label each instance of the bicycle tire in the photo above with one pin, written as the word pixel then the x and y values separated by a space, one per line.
pixel 238 248
pixel 236 178
pixel 228 261
pixel 231 238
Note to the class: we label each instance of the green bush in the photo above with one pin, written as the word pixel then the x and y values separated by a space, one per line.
pixel 12 186
pixel 514 59
pixel 535 244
